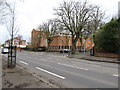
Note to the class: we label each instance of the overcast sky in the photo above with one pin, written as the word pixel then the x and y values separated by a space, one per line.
pixel 32 13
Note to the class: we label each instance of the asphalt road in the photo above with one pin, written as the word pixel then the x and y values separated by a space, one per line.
pixel 70 72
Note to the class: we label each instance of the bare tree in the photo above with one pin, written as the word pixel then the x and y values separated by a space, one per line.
pixel 49 29
pixel 2 10
pixel 67 37
pixel 11 20
pixel 11 26
pixel 94 24
pixel 7 10
pixel 74 16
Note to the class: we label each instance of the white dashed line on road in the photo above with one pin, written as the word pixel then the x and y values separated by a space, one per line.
pixel 50 73
pixel 23 62
pixel 116 75
pixel 72 66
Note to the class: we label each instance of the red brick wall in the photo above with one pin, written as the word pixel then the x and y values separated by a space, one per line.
pixel 58 41
pixel 34 35
pixel 107 55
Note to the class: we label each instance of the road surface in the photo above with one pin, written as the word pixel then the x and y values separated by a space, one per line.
pixel 70 72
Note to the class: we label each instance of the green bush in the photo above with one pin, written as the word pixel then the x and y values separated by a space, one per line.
pixel 106 39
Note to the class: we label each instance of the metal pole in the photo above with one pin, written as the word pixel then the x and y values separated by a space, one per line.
pixel 11 47
pixel 8 57
pixel 84 45
pixel 15 55
pixel 11 53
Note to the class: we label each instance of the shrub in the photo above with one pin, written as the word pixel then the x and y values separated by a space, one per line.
pixel 106 39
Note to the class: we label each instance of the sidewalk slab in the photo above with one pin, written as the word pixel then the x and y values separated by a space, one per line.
pixel 93 58
pixel 0 72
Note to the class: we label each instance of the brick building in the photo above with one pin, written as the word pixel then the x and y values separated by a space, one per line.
pixel 60 41
pixel 38 39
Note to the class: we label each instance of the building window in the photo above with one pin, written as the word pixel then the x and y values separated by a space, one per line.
pixel 59 47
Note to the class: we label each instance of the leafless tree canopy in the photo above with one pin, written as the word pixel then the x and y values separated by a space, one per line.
pixel 76 16
pixel 50 28
pixel 2 10
pixel 8 16
pixel 95 23
pixel 11 19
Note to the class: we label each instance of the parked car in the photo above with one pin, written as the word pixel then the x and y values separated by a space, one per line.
pixel 5 51
pixel 65 51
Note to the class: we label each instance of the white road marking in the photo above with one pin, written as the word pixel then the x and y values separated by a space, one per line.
pixel 51 73
pixel 40 59
pixel 89 64
pixel 23 62
pixel 116 75
pixel 73 66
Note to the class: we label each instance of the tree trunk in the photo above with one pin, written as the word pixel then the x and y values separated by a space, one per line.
pixel 81 43
pixel 48 47
pixel 48 42
pixel 73 45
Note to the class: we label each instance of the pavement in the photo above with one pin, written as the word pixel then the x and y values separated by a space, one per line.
pixel 20 78
pixel 0 72
pixel 87 56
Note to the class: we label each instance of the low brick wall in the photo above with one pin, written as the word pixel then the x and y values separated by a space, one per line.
pixel 107 55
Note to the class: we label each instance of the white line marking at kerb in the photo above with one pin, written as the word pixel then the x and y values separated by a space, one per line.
pixel 116 75
pixel 82 68
pixel 51 73
pixel 23 62
pixel 73 66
